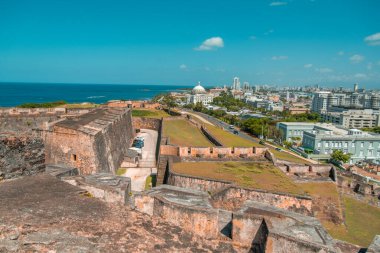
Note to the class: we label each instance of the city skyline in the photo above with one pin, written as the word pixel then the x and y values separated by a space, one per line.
pixel 299 42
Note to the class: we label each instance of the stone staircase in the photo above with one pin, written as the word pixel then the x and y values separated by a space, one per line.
pixel 161 169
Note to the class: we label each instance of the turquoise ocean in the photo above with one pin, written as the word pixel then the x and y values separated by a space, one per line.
pixel 13 94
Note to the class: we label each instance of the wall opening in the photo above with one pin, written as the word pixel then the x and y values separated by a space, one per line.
pixel 73 157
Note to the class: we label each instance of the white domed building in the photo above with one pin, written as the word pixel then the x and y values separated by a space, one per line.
pixel 198 89
pixel 199 94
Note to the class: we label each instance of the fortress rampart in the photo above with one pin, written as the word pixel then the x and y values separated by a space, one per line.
pixel 94 142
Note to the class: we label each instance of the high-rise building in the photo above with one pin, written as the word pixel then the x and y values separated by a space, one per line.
pixel 246 86
pixel 236 84
pixel 320 101
pixel 356 87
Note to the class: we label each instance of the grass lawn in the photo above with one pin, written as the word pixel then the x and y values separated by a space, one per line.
pixel 81 105
pixel 247 174
pixel 121 171
pixel 362 223
pixel 229 139
pixel 287 157
pixel 183 133
pixel 149 113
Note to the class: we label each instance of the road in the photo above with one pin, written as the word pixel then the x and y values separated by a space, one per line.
pixel 147 164
pixel 243 134
pixel 149 150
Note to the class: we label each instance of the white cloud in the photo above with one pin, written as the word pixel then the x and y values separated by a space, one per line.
pixel 307 66
pixel 341 53
pixel 252 37
pixel 356 58
pixel 183 66
pixel 269 32
pixel 373 40
pixel 324 70
pixel 279 58
pixel 278 3
pixel 211 44
pixel 360 76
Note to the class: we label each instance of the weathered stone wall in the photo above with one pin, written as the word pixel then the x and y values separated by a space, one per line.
pixel 169 150
pixel 233 197
pixel 16 111
pixel 147 123
pixel 209 136
pixel 315 172
pixel 219 152
pixel 21 156
pixel 63 143
pixel 24 125
pixel 134 104
pixel 228 196
pixel 200 221
pixel 245 230
pixel 282 244
pixel 101 151
pixel 112 144
pixel 269 155
pixel 196 183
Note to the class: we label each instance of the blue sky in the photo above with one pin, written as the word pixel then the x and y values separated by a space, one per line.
pixel 294 42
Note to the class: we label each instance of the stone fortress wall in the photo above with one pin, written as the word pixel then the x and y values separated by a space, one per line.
pixel 212 152
pixel 21 146
pixel 21 156
pixel 227 195
pixel 93 142
pixel 22 121
pixel 250 219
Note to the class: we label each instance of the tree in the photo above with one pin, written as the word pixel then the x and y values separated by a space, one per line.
pixel 169 101
pixel 339 155
pixel 288 144
pixel 198 107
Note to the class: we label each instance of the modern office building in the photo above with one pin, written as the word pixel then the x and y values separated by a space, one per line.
pixel 236 84
pixel 321 101
pixel 353 118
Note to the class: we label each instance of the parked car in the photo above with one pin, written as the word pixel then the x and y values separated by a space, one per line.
pixel 231 127
pixel 140 138
pixel 138 144
pixel 278 149
pixel 236 132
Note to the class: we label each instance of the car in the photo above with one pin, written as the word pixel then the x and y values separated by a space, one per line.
pixel 261 142
pixel 140 138
pixel 236 132
pixel 138 145
pixel 138 150
pixel 138 141
pixel 231 127
pixel 278 149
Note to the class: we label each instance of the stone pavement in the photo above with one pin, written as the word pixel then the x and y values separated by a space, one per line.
pixel 41 213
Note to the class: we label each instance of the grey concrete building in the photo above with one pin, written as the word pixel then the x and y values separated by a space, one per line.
pixel 353 118
pixel 293 130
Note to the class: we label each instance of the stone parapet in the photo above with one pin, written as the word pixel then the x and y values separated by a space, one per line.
pixel 105 186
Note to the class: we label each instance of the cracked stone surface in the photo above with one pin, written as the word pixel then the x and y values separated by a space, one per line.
pixel 43 214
